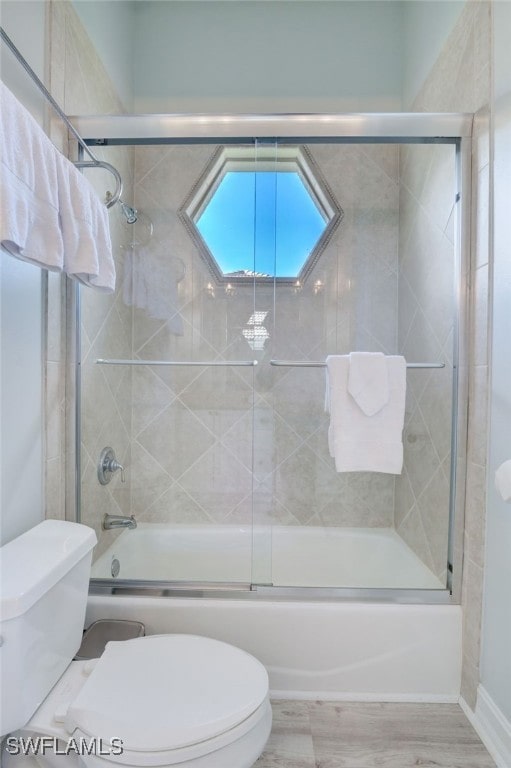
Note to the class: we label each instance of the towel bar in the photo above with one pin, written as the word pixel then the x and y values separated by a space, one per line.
pixel 219 363
pixel 319 364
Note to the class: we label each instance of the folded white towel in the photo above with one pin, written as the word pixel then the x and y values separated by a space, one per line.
pixel 361 443
pixel 29 211
pixel 368 381
pixel 50 214
pixel 85 229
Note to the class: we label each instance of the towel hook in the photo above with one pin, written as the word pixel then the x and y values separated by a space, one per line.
pixel 94 162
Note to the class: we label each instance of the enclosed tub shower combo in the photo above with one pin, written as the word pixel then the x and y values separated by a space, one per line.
pixel 249 251
pixel 251 260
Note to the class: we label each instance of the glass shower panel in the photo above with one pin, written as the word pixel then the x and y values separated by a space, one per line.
pixel 277 253
pixel 381 280
pixel 429 282
pixel 182 427
pixel 308 322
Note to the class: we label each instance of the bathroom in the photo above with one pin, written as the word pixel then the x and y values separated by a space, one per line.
pixel 249 454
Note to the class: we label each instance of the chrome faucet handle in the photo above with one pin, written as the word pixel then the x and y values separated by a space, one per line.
pixel 107 465
pixel 114 466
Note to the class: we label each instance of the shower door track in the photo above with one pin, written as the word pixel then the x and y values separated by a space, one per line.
pixel 411 128
pixel 247 591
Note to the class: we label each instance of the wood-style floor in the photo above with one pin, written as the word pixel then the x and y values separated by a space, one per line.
pixel 328 734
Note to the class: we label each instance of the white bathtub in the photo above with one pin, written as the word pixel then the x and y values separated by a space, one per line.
pixel 313 649
pixel 283 556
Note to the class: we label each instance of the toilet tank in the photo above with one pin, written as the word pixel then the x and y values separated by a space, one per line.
pixel 44 580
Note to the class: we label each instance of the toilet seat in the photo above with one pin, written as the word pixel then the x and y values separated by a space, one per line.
pixel 252 731
pixel 169 698
pixel 165 692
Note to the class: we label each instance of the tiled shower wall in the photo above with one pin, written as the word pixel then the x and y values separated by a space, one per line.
pixel 460 81
pixel 426 315
pixel 198 431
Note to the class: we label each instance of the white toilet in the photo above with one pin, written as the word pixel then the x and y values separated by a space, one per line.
pixel 160 700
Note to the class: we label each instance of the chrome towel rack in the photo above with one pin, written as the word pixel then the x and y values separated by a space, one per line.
pixel 94 162
pixel 206 363
pixel 237 363
pixel 320 364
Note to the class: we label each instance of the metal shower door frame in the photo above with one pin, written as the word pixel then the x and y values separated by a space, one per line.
pixel 395 128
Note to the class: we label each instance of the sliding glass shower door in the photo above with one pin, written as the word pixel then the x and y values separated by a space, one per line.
pixel 249 263
pixel 168 384
pixel 378 275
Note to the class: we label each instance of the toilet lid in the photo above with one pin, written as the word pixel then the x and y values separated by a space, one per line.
pixel 163 692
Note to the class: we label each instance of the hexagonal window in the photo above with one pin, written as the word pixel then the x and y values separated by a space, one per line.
pixel 258 212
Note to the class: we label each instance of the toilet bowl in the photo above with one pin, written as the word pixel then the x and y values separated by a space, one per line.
pixel 160 700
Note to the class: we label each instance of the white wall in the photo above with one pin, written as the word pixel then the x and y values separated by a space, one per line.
pixel 496 655
pixel 315 55
pixel 110 26
pixel 21 329
pixel 426 26
pixel 267 56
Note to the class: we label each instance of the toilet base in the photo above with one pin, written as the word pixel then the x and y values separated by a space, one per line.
pixel 236 752
pixel 240 752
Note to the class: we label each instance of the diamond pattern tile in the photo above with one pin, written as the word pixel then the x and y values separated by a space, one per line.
pixel 298 398
pixel 218 482
pixel 176 438
pixel 148 479
pixel 219 397
pixel 150 397
pixel 175 506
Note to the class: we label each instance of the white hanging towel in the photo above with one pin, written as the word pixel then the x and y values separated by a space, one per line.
pixel 359 442
pixel 29 209
pixel 50 214
pixel 368 381
pixel 85 229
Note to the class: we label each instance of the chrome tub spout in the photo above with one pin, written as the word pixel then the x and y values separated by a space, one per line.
pixel 118 521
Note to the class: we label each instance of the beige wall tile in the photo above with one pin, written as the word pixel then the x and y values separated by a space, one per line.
pixel 459 81
pixel 55 383
pixel 478 415
pixel 481 188
pixel 479 317
pixel 475 506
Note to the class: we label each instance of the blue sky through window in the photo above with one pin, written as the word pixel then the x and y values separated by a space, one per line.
pixel 262 221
